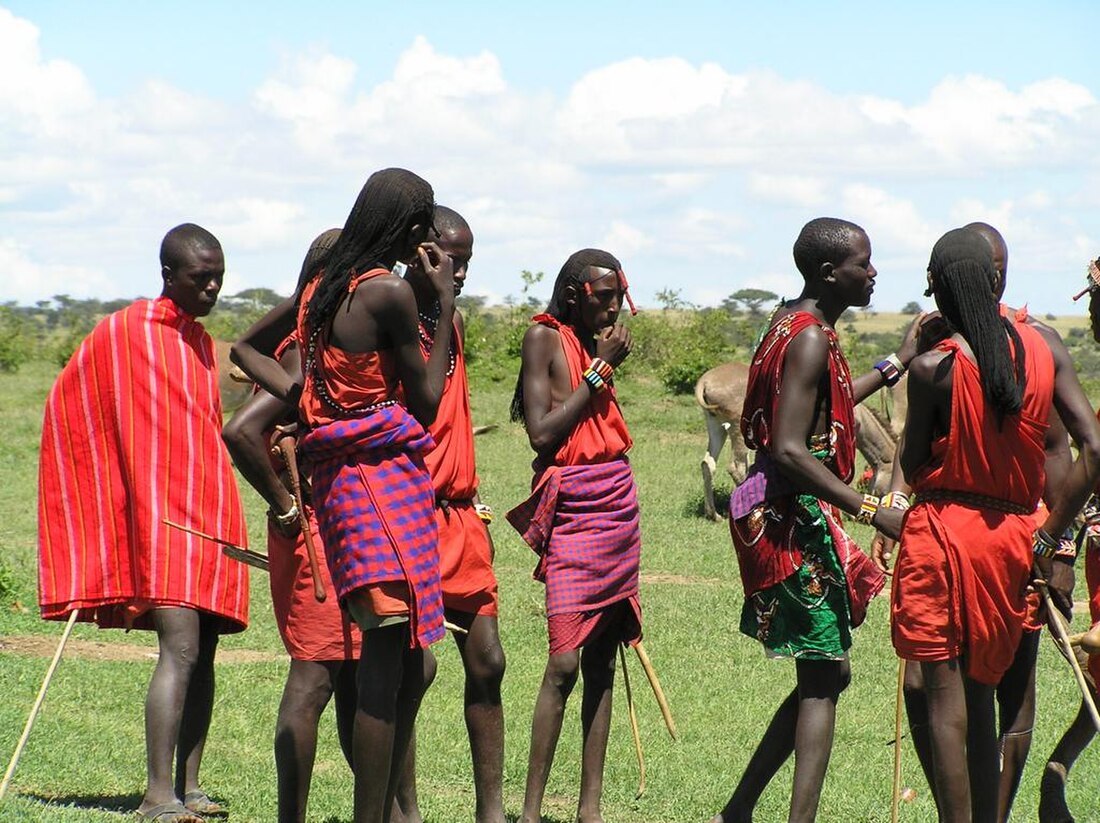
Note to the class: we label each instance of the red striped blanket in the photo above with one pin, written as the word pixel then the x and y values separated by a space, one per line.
pixel 131 436
pixel 583 521
pixel 376 509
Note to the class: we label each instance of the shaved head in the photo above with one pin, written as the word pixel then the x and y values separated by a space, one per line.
pixel 183 239
pixel 448 220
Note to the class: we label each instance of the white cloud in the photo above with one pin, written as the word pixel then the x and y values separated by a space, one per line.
pixel 788 189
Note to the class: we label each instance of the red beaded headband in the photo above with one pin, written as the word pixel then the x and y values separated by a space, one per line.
pixel 622 285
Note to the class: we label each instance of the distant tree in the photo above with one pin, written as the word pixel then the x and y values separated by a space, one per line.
pixel 912 307
pixel 848 316
pixel 471 303
pixel 670 299
pixel 751 299
pixel 1050 316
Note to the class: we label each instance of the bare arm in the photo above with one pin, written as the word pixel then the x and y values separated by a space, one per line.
pixel 255 352
pixel 245 438
pixel 929 395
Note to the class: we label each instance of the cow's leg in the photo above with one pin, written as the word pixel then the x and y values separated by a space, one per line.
pixel 716 439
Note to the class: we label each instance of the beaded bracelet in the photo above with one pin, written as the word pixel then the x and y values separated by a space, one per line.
pixel 1043 545
pixel 868 509
pixel 598 374
pixel 896 500
pixel 1067 551
pixel 891 369
pixel 484 512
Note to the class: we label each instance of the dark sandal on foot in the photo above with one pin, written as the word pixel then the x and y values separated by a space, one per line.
pixel 199 802
pixel 170 813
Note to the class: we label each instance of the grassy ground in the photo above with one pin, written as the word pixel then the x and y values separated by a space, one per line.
pixel 85 758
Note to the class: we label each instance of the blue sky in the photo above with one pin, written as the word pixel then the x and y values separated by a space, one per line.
pixel 692 140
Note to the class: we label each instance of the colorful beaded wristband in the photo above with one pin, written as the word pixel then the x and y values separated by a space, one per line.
pixel 593 379
pixel 1067 551
pixel 868 509
pixel 895 500
pixel 484 512
pixel 1043 545
pixel 891 369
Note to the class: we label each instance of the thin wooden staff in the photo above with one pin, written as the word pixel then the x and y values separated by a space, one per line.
pixel 37 704
pixel 285 443
pixel 633 724
pixel 228 549
pixel 1054 619
pixel 895 800
pixel 655 684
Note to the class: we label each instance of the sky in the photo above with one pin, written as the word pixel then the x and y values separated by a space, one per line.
pixel 692 140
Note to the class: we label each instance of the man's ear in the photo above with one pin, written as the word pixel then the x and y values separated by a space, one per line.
pixel 166 273
pixel 570 293
pixel 826 272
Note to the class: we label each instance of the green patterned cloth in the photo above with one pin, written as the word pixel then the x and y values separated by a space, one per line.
pixel 806 616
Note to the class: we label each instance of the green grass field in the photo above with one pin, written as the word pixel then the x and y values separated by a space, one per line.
pixel 85 760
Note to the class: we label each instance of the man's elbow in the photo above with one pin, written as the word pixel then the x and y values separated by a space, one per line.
pixel 1090 455
pixel 787 455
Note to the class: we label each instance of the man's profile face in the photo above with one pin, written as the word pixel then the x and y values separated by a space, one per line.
pixel 600 297
pixel 458 244
pixel 855 276
pixel 194 280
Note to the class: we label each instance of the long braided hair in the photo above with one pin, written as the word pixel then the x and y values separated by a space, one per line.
pixel 390 203
pixel 315 258
pixel 573 273
pixel 963 282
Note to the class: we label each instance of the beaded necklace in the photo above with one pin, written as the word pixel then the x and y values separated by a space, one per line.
pixel 313 366
pixel 427 339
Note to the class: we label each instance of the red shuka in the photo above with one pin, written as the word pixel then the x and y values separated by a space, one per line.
pixel 962 571
pixel 132 436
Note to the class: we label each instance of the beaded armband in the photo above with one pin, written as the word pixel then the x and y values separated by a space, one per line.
pixel 891 369
pixel 484 512
pixel 1043 545
pixel 868 508
pixel 598 374
pixel 896 500
pixel 1066 551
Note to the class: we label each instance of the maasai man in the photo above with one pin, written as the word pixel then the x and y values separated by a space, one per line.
pixel 357 325
pixel 318 636
pixel 1015 693
pixel 582 519
pixel 806 582
pixel 465 547
pixel 974 453
pixel 1052 787
pixel 131 437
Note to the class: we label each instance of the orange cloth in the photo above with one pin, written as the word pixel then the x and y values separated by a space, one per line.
pixel 962 572
pixel 310 630
pixel 451 463
pixel 132 436
pixel 466 561
pixel 352 379
pixel 1092 580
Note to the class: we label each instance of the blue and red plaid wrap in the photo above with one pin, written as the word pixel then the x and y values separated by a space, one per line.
pixel 376 509
pixel 584 524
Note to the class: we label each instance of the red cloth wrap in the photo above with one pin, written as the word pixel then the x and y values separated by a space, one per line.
pixel 310 630
pixel 962 571
pixel 131 436
pixel 375 509
pixel 466 561
pixel 769 554
pixel 1092 580
pixel 766 381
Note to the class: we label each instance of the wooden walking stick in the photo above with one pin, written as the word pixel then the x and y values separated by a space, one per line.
pixel 1054 620
pixel 655 684
pixel 37 703
pixel 285 442
pixel 633 724
pixel 895 800
pixel 228 549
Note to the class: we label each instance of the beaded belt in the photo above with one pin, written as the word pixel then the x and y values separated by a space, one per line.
pixel 971 500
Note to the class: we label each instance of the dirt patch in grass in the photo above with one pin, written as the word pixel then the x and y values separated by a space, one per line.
pixel 41 645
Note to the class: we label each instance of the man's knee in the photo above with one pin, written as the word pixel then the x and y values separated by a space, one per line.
pixel 485 665
pixel 308 688
pixel 562 670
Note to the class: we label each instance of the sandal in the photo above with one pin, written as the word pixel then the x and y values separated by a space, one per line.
pixel 199 802
pixel 170 813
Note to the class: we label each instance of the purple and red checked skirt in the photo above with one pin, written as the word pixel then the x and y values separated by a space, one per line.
pixel 583 521
pixel 376 509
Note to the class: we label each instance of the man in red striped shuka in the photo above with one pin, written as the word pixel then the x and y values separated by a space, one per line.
pixel 132 437
pixel 582 518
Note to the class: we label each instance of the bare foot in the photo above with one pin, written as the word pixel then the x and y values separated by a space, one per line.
pixel 1052 796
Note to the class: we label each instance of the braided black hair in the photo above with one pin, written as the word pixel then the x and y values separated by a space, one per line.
pixel 823 240
pixel 391 202
pixel 963 282
pixel 573 273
